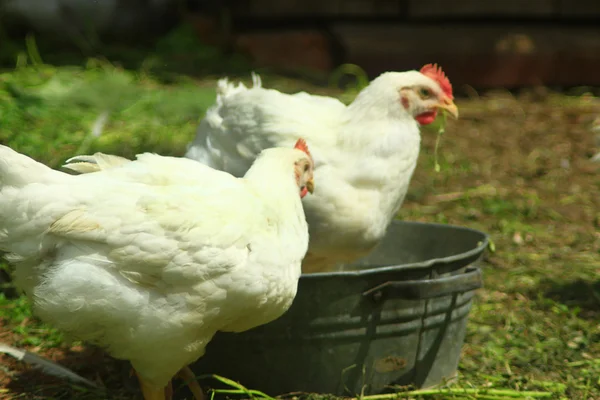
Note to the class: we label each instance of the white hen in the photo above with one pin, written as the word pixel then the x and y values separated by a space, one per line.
pixel 152 257
pixel 365 153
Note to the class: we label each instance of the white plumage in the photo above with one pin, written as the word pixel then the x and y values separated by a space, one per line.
pixel 365 153
pixel 150 258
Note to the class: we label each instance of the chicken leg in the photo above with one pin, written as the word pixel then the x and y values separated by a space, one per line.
pixel 150 392
pixel 169 391
pixel 190 380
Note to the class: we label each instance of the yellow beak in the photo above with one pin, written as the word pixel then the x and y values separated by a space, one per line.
pixel 449 106
pixel 310 186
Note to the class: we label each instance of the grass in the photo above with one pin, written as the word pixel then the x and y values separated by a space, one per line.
pixel 515 166
pixel 526 180
pixel 139 114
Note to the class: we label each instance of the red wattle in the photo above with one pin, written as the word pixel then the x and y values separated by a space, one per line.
pixel 303 192
pixel 426 118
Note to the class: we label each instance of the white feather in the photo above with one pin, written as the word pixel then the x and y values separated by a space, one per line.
pixel 365 155
pixel 150 258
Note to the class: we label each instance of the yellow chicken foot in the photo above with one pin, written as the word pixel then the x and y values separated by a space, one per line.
pixel 189 378
pixel 149 391
pixel 169 391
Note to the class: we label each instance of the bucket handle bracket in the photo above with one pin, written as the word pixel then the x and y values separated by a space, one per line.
pixel 471 279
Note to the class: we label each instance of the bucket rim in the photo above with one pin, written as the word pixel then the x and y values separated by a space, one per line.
pixel 478 250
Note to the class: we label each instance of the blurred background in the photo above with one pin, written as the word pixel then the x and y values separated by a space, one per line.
pixel 507 43
pixel 522 163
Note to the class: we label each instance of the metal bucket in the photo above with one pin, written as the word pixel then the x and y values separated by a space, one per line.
pixel 398 317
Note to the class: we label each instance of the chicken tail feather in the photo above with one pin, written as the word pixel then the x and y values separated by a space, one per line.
pixel 225 88
pixel 97 162
pixel 19 170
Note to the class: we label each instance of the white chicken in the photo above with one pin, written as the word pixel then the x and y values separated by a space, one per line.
pixel 150 258
pixel 365 153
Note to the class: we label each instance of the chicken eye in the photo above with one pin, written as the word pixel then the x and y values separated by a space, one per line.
pixel 306 168
pixel 424 92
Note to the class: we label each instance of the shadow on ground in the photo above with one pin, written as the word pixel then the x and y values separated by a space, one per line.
pixel 114 377
pixel 88 362
pixel 582 294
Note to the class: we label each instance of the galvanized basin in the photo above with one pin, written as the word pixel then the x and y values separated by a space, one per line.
pixel 398 318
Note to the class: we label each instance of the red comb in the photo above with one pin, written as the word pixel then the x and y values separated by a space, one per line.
pixel 435 72
pixel 301 145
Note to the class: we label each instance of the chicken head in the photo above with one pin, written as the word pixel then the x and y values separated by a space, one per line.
pixel 304 169
pixel 429 91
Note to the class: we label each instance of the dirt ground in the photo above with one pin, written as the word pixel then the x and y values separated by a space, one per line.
pixel 516 166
